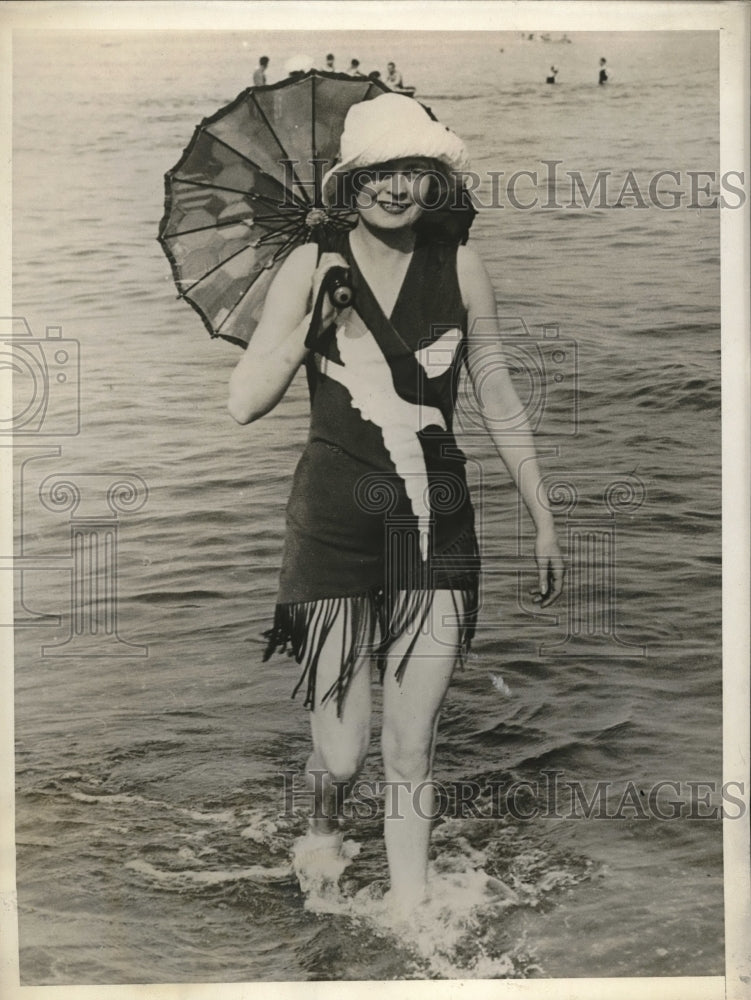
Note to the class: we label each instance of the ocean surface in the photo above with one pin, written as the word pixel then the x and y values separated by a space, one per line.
pixel 153 834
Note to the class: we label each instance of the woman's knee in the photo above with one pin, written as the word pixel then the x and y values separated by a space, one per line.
pixel 342 760
pixel 406 755
pixel 341 740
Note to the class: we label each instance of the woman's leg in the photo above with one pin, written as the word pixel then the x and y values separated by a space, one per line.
pixel 340 742
pixel 410 717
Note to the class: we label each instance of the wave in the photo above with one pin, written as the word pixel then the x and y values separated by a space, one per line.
pixel 669 386
pixel 179 880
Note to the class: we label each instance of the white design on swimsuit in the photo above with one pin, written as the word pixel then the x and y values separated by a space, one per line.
pixel 366 375
pixel 438 356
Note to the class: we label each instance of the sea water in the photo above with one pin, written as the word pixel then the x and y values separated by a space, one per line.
pixel 152 825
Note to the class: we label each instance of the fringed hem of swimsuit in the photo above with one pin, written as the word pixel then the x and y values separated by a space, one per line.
pixel 379 517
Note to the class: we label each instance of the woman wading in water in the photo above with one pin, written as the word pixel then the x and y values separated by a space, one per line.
pixel 381 561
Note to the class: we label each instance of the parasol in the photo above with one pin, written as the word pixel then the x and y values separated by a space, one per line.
pixel 247 191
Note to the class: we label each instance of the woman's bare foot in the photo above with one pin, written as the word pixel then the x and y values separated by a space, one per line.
pixel 402 907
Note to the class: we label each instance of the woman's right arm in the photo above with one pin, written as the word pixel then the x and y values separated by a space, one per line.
pixel 277 347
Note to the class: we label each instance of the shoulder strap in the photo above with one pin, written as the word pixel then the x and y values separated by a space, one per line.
pixel 313 336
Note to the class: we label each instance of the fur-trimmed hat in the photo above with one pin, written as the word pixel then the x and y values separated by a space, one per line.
pixel 391 127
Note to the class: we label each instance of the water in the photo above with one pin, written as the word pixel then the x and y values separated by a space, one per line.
pixel 149 789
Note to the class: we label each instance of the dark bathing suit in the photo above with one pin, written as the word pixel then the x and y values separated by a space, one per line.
pixel 381 465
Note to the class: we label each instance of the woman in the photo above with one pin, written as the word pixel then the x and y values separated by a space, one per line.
pixel 380 556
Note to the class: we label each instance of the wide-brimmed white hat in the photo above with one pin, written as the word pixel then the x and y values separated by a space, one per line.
pixel 389 127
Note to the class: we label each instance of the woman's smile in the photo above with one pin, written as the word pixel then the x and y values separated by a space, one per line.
pixel 393 207
pixel 392 193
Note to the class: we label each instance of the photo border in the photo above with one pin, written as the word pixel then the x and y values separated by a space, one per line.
pixel 732 20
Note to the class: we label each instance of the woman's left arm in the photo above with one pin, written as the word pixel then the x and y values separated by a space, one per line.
pixel 503 415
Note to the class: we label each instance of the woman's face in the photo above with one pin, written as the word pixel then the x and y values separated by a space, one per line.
pixel 393 195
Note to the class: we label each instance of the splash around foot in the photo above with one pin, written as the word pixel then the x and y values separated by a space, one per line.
pixel 319 861
pixel 456 929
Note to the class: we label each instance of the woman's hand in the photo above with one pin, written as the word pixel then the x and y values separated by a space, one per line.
pixel 549 567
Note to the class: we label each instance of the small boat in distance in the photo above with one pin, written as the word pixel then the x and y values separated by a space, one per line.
pixel 393 87
pixel 395 82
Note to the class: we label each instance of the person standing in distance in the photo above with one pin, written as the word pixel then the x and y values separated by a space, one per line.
pixel 603 72
pixel 259 77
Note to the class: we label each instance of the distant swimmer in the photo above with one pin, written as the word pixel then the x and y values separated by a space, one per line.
pixel 603 72
pixel 259 77
pixel 553 75
pixel 354 68
pixel 394 77
pixel 330 67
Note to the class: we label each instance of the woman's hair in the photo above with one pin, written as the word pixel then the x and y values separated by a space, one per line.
pixel 447 209
pixel 448 212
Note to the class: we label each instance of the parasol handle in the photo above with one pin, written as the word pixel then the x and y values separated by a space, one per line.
pixel 337 285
